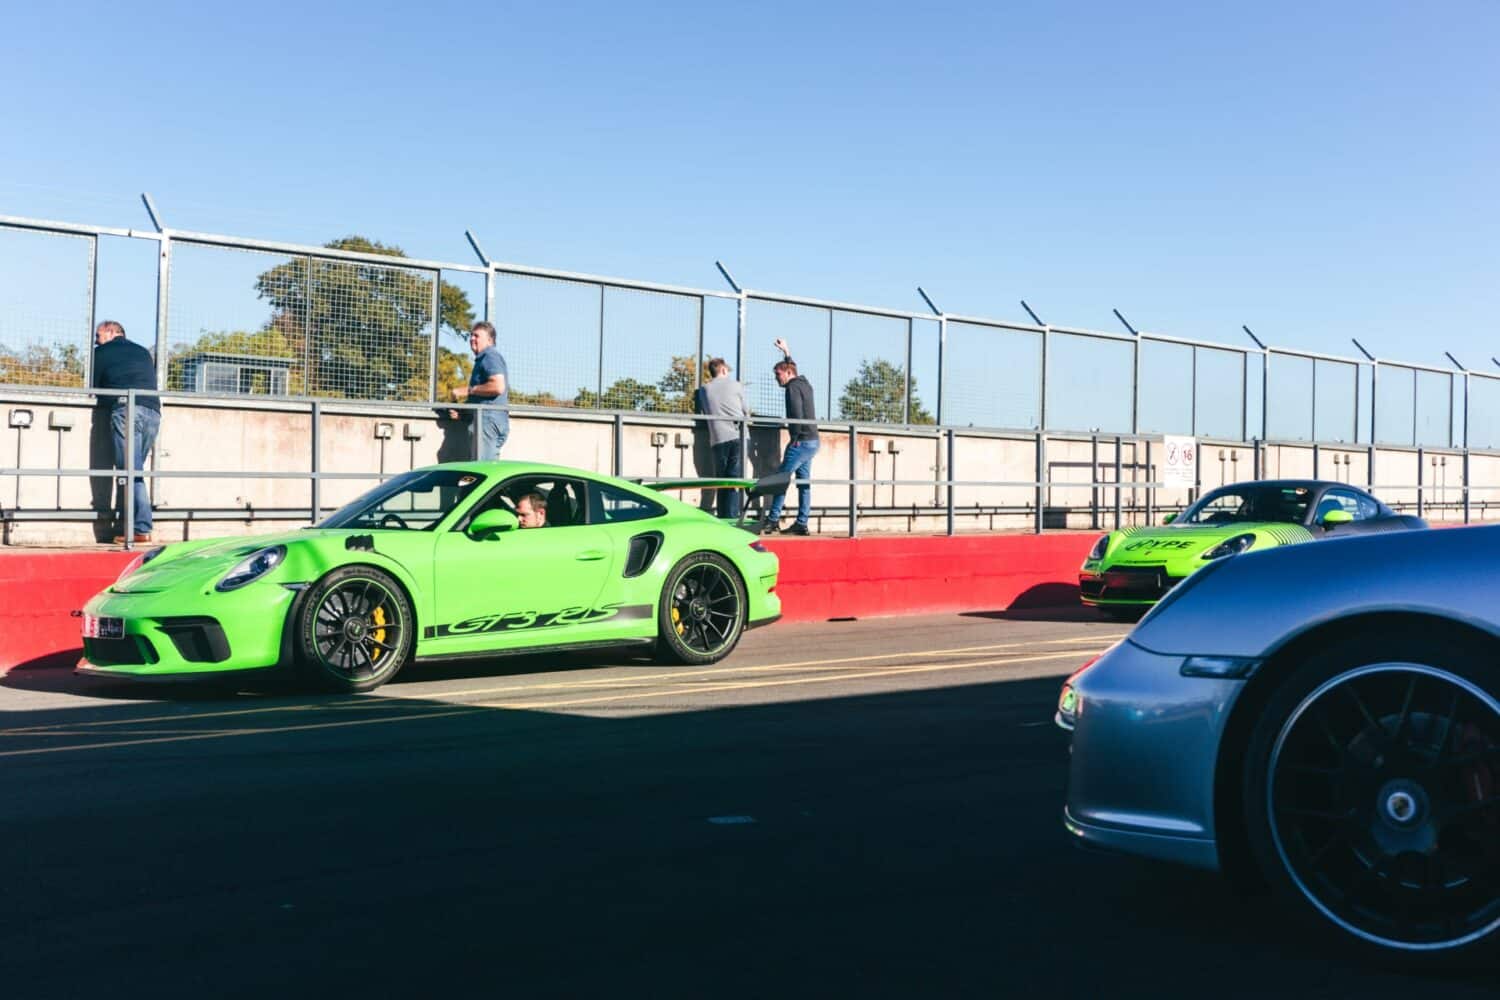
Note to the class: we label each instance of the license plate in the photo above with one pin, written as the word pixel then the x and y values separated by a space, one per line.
pixel 103 628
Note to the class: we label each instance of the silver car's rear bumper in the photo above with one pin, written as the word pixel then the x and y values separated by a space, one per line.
pixel 1145 745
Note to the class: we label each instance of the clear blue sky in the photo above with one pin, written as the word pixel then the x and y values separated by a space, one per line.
pixel 1318 171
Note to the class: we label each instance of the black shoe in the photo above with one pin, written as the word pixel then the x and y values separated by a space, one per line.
pixel 796 529
pixel 769 527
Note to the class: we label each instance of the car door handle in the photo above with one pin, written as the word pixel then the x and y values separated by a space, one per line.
pixel 590 555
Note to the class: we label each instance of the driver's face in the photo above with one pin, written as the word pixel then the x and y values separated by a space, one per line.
pixel 529 516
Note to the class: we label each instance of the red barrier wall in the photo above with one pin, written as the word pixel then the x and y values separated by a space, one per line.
pixel 821 578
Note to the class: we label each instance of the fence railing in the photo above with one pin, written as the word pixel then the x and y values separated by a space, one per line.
pixel 356 320
pixel 1078 481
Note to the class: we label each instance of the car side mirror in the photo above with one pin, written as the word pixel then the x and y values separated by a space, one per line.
pixel 1169 519
pixel 1334 518
pixel 492 522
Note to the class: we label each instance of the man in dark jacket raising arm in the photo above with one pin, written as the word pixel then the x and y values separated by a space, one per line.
pixel 801 447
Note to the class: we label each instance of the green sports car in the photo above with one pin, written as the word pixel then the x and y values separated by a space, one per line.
pixel 1130 569
pixel 466 559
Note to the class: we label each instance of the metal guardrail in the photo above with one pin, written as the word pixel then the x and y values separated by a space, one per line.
pixel 1107 494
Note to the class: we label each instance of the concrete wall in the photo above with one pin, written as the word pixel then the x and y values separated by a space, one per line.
pixel 270 437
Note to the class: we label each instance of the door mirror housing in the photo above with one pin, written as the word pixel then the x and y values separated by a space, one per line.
pixel 1334 518
pixel 1169 519
pixel 492 522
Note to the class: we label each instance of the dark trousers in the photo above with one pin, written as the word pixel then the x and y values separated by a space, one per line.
pixel 728 464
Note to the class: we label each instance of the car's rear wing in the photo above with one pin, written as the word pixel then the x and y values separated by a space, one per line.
pixel 776 482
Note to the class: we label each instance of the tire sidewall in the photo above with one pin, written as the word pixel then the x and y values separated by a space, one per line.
pixel 669 644
pixel 305 651
pixel 1337 660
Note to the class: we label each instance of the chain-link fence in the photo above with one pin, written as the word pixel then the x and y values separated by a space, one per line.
pixel 358 320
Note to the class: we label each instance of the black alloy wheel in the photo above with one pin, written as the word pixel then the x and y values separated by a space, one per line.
pixel 355 629
pixel 1380 796
pixel 703 610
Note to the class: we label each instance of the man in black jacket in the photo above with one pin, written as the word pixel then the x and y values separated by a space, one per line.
pixel 801 447
pixel 124 364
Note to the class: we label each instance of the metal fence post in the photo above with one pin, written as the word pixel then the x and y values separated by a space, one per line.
pixel 1466 486
pixel 1041 479
pixel 1135 388
pixel 698 372
pixel 853 475
pixel 127 517
pixel 618 448
pixel 1315 459
pixel 1041 416
pixel 1370 467
pixel 601 346
pixel 437 332
pixel 1420 456
pixel 163 304
pixel 88 350
pixel 739 338
pixel 1119 446
pixel 1150 489
pixel 906 391
pixel 1094 482
pixel 317 461
pixel 949 503
pixel 941 394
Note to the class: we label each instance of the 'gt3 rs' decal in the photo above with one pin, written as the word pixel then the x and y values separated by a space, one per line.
pixel 516 621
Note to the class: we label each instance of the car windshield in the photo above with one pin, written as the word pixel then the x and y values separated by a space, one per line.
pixel 412 501
pixel 1287 504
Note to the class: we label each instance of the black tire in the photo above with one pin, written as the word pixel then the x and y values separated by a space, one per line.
pixel 354 630
pixel 1372 797
pixel 701 614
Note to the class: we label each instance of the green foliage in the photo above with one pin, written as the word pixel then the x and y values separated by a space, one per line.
pixel 355 329
pixel 42 364
pixel 672 393
pixel 877 395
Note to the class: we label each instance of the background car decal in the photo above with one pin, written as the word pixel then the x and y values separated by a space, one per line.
pixel 516 621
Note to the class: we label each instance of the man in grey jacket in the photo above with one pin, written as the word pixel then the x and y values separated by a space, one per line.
pixel 724 399
pixel 802 446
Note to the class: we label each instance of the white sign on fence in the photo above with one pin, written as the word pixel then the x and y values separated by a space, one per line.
pixel 1179 465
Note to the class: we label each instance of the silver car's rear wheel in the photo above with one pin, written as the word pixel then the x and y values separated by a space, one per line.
pixel 1380 799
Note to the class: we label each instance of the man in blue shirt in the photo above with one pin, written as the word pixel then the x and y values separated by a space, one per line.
pixel 487 384
pixel 124 364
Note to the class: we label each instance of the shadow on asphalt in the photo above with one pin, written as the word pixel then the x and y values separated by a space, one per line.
pixel 896 844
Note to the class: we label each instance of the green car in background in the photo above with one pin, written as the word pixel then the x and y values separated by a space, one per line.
pixel 1129 570
pixel 434 564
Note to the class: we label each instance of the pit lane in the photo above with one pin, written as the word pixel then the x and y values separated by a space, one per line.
pixel 862 807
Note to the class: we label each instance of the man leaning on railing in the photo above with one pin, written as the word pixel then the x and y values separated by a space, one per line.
pixel 487 384
pixel 124 364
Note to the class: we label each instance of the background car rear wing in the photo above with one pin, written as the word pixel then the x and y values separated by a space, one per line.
pixel 776 482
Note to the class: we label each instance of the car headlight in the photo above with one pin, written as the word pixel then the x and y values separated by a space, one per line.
pixel 252 567
pixel 1097 552
pixel 1229 547
pixel 139 561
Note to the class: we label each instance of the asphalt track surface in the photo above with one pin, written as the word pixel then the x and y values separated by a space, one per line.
pixel 848 809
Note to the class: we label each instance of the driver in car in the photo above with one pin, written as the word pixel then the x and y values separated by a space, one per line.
pixel 531 510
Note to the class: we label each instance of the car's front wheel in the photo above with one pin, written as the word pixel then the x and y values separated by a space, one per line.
pixel 353 630
pixel 1372 794
pixel 701 614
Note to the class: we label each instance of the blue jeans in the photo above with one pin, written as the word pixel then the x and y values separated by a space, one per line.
pixel 147 423
pixel 727 465
pixel 494 428
pixel 798 461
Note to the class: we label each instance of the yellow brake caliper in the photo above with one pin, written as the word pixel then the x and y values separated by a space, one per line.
pixel 379 634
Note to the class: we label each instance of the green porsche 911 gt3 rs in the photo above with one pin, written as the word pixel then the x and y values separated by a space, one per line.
pixel 1130 569
pixel 435 563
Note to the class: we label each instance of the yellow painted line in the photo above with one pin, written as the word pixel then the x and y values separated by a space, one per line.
pixel 219 734
pixel 476 709
pixel 722 668
pixel 779 682
pixel 387 695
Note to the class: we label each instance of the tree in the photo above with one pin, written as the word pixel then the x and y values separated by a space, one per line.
pixel 877 395
pixel 358 326
pixel 623 394
pixel 42 364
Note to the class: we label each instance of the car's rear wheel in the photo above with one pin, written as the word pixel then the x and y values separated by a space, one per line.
pixel 354 630
pixel 1372 794
pixel 701 614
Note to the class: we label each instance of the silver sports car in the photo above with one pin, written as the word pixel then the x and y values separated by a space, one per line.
pixel 1327 716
